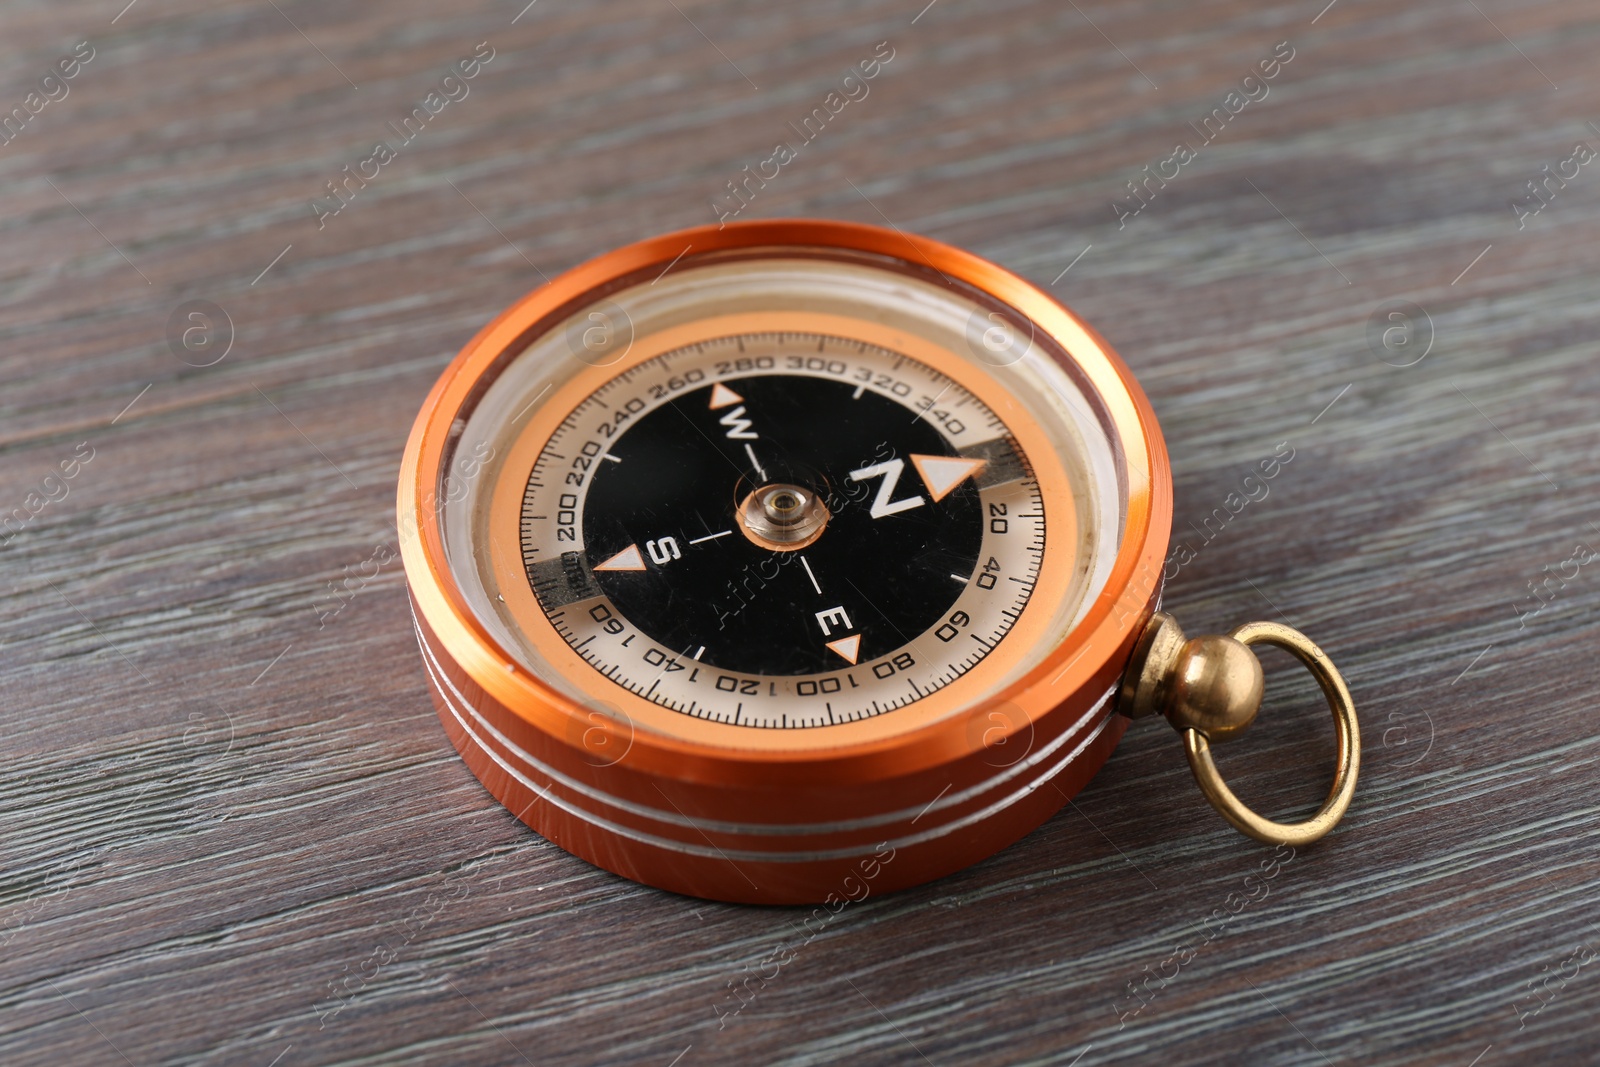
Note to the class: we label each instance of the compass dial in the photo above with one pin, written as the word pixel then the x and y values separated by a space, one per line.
pixel 788 502
pixel 782 529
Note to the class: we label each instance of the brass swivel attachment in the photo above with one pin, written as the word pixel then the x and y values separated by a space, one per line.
pixel 1210 688
pixel 1210 684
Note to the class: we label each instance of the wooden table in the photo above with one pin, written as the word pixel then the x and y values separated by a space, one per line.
pixel 233 831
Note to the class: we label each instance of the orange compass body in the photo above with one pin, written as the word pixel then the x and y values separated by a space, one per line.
pixel 784 561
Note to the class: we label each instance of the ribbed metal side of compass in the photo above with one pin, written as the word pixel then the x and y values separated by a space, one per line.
pixel 759 841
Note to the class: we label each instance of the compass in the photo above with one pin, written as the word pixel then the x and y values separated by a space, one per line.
pixel 771 561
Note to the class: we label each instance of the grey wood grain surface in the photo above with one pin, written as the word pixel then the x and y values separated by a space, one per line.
pixel 232 831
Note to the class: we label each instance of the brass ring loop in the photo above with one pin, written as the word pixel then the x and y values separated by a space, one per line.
pixel 1345 725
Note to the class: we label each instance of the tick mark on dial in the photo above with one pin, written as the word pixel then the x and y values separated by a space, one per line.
pixel 754 462
pixel 813 577
pixel 710 537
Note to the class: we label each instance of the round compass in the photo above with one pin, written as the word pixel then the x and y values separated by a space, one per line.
pixel 769 561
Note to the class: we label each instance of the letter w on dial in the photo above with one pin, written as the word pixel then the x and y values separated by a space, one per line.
pixel 889 471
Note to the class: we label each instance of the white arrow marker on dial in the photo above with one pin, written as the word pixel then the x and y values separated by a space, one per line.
pixel 848 647
pixel 722 396
pixel 943 473
pixel 626 560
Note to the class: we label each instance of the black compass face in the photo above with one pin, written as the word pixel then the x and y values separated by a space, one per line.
pixel 782 529
pixel 883 561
